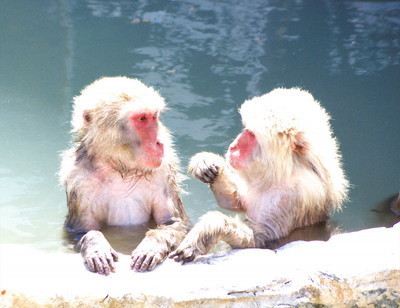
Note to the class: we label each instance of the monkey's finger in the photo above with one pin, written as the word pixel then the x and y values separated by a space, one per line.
pixel 188 255
pixel 173 254
pixel 153 263
pixel 98 265
pixel 204 178
pixel 106 270
pixel 210 174
pixel 188 259
pixel 181 257
pixel 105 264
pixel 133 261
pixel 176 255
pixel 115 255
pixel 138 262
pixel 110 262
pixel 210 168
pixel 145 264
pixel 214 169
pixel 90 265
pixel 178 258
pixel 199 175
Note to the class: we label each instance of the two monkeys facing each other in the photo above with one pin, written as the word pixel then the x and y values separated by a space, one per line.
pixel 283 171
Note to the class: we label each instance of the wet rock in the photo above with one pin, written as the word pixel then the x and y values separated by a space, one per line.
pixel 395 205
pixel 360 268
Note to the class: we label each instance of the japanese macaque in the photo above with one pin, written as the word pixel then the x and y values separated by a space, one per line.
pixel 283 171
pixel 122 170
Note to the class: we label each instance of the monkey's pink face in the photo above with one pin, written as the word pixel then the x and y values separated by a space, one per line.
pixel 241 150
pixel 152 150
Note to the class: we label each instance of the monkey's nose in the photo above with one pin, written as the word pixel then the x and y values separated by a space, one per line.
pixel 159 144
pixel 233 147
pixel 159 147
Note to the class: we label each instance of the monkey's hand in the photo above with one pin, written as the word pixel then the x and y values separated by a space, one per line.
pixel 97 253
pixel 148 254
pixel 197 242
pixel 184 254
pixel 206 166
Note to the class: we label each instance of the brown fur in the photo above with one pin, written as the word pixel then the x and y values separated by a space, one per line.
pixel 106 184
pixel 294 178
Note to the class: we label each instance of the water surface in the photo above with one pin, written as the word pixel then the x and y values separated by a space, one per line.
pixel 205 57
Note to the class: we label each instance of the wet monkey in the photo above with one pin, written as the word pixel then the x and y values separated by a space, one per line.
pixel 122 170
pixel 283 171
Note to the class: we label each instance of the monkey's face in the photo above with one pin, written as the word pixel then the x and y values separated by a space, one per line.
pixel 242 150
pixel 149 149
pixel 129 137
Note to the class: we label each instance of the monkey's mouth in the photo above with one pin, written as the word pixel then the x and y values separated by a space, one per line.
pixel 241 149
pixel 235 161
pixel 152 162
pixel 153 154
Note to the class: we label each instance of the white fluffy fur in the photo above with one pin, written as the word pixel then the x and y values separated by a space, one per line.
pixel 293 178
pixel 286 116
pixel 116 90
pixel 108 181
pixel 101 139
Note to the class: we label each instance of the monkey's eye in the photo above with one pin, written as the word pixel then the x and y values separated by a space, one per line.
pixel 155 116
pixel 141 117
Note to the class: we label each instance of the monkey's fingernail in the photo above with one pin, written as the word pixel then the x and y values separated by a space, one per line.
pixel 115 256
pixel 214 170
pixel 106 271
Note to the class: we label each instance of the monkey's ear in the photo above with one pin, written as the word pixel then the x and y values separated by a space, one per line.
pixel 299 144
pixel 87 117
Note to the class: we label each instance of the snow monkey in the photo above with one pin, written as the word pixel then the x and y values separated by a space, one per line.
pixel 283 171
pixel 122 170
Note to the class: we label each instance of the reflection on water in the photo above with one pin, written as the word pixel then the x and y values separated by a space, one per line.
pixel 206 58
pixel 373 43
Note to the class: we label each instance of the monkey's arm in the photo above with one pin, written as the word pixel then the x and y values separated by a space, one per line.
pixel 172 226
pixel 213 170
pixel 97 253
pixel 212 228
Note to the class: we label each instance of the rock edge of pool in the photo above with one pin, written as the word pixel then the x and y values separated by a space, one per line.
pixel 354 269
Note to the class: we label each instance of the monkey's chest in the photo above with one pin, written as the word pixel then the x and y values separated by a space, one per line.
pixel 125 202
pixel 127 212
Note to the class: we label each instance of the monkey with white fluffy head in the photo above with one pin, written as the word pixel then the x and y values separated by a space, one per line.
pixel 122 170
pixel 283 171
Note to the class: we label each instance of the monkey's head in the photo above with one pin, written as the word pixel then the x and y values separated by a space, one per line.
pixel 117 119
pixel 281 130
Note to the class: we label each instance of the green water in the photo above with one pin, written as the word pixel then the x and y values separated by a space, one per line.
pixel 205 57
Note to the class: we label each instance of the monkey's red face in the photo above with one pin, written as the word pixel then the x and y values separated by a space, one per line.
pixel 241 150
pixel 152 150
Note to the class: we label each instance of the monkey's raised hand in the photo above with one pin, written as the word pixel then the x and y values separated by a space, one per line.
pixel 97 253
pixel 206 166
pixel 147 255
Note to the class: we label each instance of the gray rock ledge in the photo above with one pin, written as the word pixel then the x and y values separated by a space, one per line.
pixel 354 269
